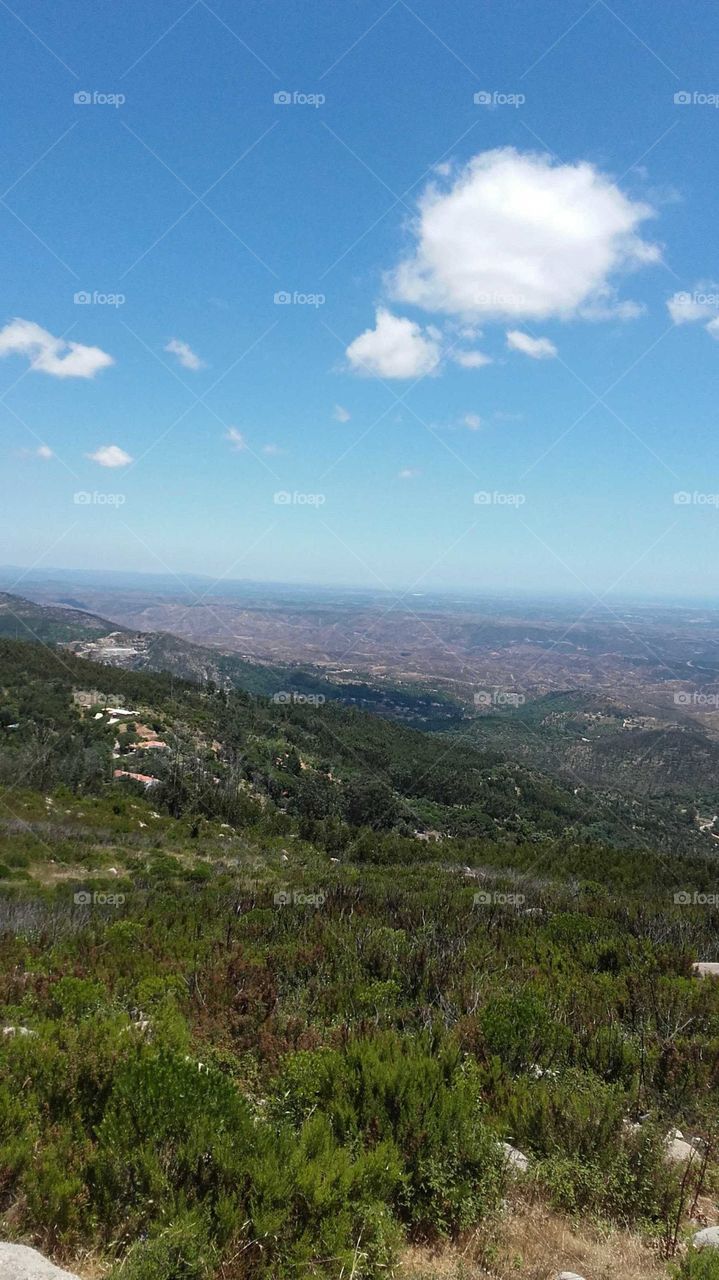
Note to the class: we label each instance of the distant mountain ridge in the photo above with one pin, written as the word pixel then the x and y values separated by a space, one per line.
pixel 89 636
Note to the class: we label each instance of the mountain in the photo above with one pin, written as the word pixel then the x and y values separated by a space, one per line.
pixel 87 635
pixel 637 748
pixel 322 763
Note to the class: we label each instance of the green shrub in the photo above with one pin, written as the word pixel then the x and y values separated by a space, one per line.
pixel 699 1264
pixel 422 1098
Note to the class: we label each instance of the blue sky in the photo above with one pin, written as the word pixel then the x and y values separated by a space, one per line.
pixel 559 240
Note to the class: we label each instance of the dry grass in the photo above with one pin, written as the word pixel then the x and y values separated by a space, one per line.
pixel 533 1243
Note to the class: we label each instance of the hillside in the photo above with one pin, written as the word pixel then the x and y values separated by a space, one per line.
pixel 324 763
pixel 639 749
pixel 254 1026
pixel 90 636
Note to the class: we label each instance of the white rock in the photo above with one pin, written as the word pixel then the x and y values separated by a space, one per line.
pixel 18 1031
pixel 707 1239
pixel 17 1262
pixel 515 1159
pixel 679 1151
pixel 706 968
pixel 569 1275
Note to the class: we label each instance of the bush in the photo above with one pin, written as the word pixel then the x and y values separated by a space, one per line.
pixel 419 1096
pixel 699 1264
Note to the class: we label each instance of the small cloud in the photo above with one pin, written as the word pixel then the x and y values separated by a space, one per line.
pixel 341 414
pixel 236 439
pixel 272 449
pixel 110 455
pixel 606 306
pixel 472 359
pixel 472 421
pixel 689 308
pixel 44 451
pixel 51 355
pixel 185 355
pixel 395 348
pixel 713 328
pixel 537 348
pixel 408 473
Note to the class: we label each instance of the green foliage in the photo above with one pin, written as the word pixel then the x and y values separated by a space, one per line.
pixel 214 1084
pixel 699 1264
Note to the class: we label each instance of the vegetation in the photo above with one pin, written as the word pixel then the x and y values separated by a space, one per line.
pixel 255 1026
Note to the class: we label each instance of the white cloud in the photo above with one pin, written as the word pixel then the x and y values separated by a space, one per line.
pixel 713 328
pixel 537 348
pixel 236 439
pixel 606 306
pixel 514 235
pixel 185 355
pixel 408 473
pixel 395 348
pixel 701 304
pixel 110 455
pixel 341 414
pixel 272 449
pixel 472 421
pixel 472 359
pixel 51 355
pixel 44 451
